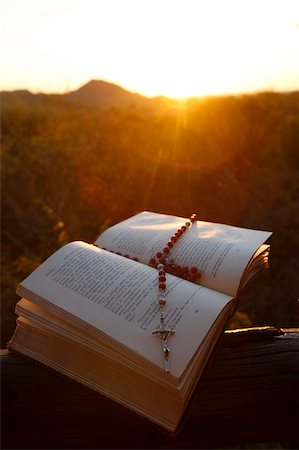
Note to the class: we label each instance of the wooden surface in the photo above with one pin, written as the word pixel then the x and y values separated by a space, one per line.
pixel 248 394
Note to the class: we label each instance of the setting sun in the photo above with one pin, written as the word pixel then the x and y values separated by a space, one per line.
pixel 174 48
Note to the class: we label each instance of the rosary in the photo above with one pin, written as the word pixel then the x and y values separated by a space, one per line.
pixel 163 264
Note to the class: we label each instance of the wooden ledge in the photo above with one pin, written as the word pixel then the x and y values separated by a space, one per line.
pixel 248 394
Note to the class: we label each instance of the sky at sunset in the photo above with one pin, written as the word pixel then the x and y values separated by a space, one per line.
pixel 176 48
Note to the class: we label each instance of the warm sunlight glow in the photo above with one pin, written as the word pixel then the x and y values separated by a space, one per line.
pixel 170 47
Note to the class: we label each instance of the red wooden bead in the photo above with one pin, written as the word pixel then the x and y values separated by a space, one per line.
pixel 162 286
pixel 178 269
pixel 162 273
pixel 166 250
pixel 193 277
pixel 170 244
pixel 174 238
pixel 159 255
pixel 162 279
pixel 183 228
pixel 152 262
pixel 162 260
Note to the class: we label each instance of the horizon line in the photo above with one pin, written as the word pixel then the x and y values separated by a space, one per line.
pixel 151 97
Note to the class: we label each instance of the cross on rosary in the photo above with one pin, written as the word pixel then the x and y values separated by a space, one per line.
pixel 164 335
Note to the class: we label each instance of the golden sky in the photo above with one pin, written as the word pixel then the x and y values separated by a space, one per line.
pixel 176 48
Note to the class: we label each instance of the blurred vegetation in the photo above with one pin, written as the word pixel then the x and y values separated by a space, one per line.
pixel 69 170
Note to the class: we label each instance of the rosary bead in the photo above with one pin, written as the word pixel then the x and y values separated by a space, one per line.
pixel 170 244
pixel 178 269
pixel 159 255
pixel 166 250
pixel 152 262
pixel 194 277
pixel 162 278
pixel 162 286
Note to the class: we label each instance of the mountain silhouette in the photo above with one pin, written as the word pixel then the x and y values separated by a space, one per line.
pixel 105 95
pixel 20 94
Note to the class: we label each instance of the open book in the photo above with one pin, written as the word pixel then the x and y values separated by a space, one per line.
pixel 89 312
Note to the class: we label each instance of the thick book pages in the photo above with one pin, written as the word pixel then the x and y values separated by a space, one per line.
pixel 72 352
pixel 89 313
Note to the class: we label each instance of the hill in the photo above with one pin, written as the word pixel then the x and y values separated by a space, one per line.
pixel 21 94
pixel 107 95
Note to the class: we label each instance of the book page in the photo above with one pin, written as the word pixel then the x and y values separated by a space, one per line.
pixel 220 252
pixel 118 296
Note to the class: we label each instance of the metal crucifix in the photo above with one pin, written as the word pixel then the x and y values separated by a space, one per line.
pixel 164 335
